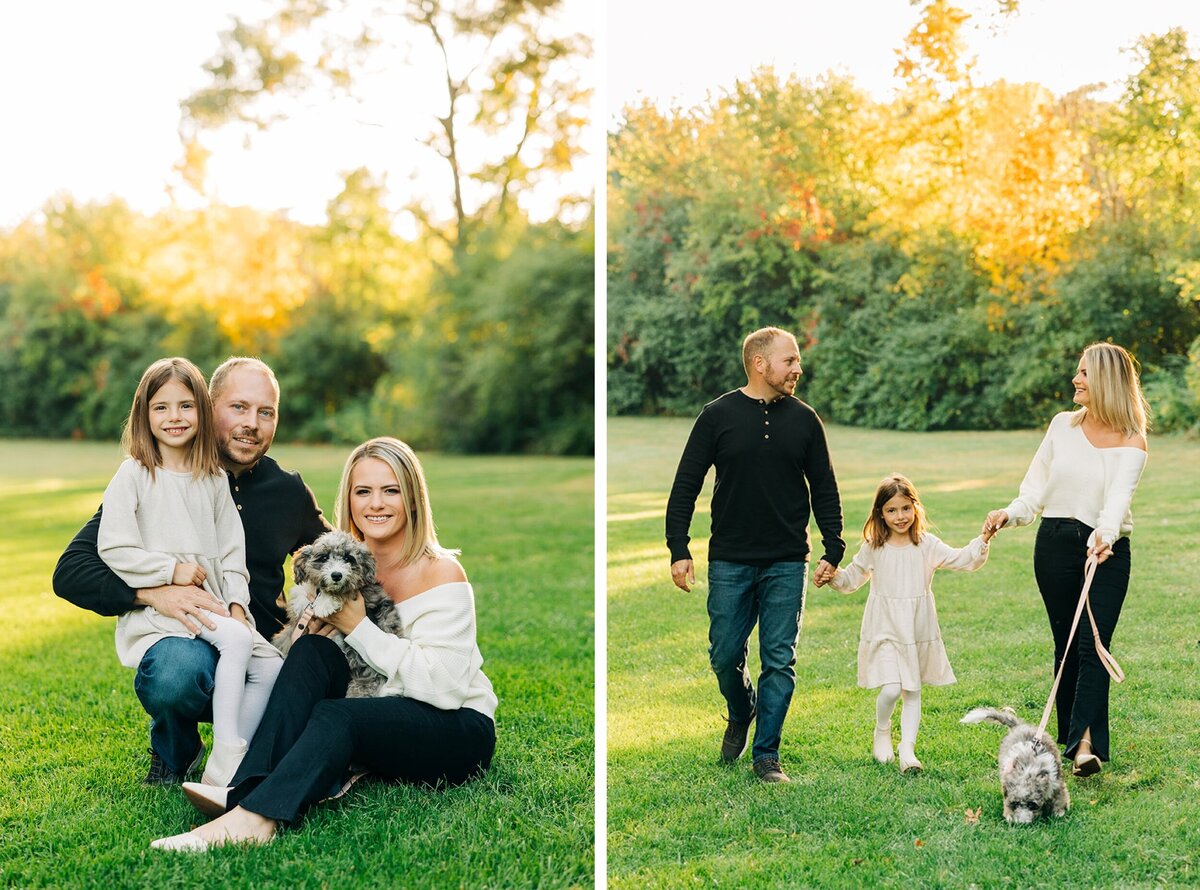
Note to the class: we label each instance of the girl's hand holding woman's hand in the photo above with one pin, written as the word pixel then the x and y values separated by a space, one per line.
pixel 995 521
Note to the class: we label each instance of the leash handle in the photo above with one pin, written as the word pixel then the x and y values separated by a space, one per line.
pixel 1106 659
pixel 302 624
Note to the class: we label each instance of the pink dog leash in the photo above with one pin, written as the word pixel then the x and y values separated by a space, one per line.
pixel 1106 659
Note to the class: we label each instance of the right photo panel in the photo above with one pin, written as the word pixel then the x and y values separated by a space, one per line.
pixel 903 395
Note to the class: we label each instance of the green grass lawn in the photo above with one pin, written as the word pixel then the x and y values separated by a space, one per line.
pixel 677 818
pixel 73 737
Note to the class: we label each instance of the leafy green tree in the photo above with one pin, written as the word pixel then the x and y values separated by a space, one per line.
pixel 507 72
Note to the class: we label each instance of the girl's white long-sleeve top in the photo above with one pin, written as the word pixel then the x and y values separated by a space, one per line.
pixel 435 658
pixel 900 640
pixel 1070 478
pixel 149 525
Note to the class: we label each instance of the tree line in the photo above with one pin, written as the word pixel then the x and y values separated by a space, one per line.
pixel 367 333
pixel 474 335
pixel 943 256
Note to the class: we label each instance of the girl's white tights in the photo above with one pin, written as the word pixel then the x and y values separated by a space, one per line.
pixel 910 723
pixel 242 684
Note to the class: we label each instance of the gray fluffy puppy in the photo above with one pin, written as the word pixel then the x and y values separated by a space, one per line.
pixel 337 568
pixel 1030 771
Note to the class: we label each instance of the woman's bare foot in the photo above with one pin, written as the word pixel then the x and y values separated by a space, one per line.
pixel 237 826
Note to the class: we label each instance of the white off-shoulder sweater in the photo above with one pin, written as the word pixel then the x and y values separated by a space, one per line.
pixel 435 658
pixel 1070 478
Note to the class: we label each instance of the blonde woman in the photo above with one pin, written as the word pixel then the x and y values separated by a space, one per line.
pixel 432 720
pixel 1081 483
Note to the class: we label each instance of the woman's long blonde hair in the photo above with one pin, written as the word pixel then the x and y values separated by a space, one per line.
pixel 139 443
pixel 420 533
pixel 1114 391
pixel 876 531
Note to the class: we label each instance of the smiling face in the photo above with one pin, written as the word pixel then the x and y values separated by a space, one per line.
pixel 1080 382
pixel 246 411
pixel 173 416
pixel 898 513
pixel 378 506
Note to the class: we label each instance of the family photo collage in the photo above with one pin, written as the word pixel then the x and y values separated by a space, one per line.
pixel 555 444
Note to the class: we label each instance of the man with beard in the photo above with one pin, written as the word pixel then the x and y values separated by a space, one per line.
pixel 766 445
pixel 279 515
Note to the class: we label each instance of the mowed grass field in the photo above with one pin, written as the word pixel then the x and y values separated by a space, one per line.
pixel 678 818
pixel 73 737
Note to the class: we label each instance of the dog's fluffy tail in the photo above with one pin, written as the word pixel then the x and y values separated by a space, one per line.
pixel 1007 717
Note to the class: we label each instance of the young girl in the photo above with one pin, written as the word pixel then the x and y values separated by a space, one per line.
pixel 168 518
pixel 900 646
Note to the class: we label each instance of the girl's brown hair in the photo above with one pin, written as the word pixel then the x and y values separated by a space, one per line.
pixel 139 443
pixel 876 531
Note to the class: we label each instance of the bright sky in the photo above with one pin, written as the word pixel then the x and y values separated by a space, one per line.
pixel 658 51
pixel 89 105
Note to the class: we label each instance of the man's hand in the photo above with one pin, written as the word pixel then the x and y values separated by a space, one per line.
pixel 189 573
pixel 824 573
pixel 183 603
pixel 683 573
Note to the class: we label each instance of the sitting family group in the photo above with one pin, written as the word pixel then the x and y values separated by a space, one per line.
pixel 188 549
pixel 774 472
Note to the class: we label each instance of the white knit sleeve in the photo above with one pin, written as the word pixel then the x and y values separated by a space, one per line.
pixel 119 541
pixel 961 559
pixel 433 662
pixel 849 578
pixel 1031 496
pixel 1118 493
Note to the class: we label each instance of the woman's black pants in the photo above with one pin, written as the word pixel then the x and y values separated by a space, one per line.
pixel 311 733
pixel 1059 556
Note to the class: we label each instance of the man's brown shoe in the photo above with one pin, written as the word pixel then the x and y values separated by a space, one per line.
pixel 737 735
pixel 769 770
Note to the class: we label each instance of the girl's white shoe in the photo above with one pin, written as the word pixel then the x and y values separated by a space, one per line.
pixel 211 800
pixel 226 757
pixel 908 760
pixel 882 746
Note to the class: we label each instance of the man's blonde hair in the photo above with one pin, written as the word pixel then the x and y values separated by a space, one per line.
pixel 421 535
pixel 1114 391
pixel 221 375
pixel 759 343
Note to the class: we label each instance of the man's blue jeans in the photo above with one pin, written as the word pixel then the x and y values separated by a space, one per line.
pixel 174 683
pixel 739 595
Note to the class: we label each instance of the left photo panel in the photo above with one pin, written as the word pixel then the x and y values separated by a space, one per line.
pixel 297 443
